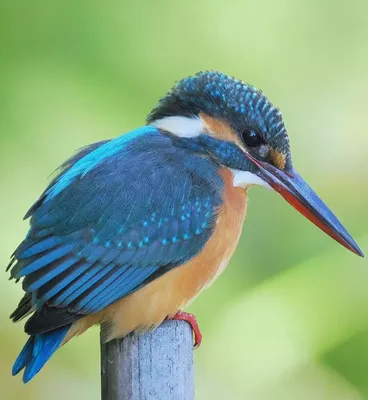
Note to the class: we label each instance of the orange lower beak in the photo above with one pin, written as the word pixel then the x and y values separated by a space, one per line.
pixel 301 196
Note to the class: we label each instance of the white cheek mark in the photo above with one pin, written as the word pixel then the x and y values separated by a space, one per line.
pixel 181 126
pixel 245 179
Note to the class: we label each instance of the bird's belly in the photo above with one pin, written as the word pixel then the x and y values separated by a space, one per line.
pixel 163 297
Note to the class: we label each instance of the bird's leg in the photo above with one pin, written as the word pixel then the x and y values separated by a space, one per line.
pixel 192 321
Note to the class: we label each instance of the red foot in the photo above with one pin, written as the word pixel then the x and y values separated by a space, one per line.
pixel 192 321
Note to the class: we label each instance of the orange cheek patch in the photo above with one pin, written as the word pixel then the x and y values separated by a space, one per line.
pixel 219 129
pixel 278 159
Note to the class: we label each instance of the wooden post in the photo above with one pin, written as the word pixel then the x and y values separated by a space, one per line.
pixel 150 366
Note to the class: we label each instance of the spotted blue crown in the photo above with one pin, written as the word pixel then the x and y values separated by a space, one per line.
pixel 222 97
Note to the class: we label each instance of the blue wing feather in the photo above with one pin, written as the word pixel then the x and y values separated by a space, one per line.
pixel 69 276
pixel 63 267
pixel 94 290
pixel 78 287
pixel 53 255
pixel 125 284
pixel 38 247
pixel 117 216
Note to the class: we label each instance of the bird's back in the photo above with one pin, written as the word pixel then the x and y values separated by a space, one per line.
pixel 119 215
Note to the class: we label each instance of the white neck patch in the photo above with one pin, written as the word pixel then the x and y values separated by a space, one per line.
pixel 245 179
pixel 181 126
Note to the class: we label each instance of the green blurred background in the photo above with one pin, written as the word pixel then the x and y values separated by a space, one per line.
pixel 288 319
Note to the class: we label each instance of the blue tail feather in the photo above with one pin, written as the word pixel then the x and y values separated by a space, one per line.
pixel 24 356
pixel 37 351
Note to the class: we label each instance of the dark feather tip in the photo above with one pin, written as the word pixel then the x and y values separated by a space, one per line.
pixel 11 263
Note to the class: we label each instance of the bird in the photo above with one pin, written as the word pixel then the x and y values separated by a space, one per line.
pixel 131 230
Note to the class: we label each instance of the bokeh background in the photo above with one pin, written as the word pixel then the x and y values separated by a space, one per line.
pixel 289 317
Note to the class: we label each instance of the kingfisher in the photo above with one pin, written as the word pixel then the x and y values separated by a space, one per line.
pixel 132 229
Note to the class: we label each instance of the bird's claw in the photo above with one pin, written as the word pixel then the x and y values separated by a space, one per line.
pixel 192 321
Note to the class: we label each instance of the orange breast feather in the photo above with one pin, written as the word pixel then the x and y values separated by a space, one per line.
pixel 163 297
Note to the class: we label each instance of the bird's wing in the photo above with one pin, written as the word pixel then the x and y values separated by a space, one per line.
pixel 120 214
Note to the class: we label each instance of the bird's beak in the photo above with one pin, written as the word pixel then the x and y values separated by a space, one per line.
pixel 301 196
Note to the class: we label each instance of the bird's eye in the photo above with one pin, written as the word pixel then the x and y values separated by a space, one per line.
pixel 251 138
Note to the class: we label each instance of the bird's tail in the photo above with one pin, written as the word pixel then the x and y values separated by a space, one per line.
pixel 37 351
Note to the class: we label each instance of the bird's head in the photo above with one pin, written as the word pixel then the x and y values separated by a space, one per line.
pixel 238 127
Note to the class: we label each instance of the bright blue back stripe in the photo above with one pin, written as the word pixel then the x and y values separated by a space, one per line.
pixel 95 158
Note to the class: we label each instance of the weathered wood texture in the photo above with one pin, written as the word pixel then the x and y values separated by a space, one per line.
pixel 151 366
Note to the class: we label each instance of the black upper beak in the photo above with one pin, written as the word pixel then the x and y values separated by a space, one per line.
pixel 301 196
